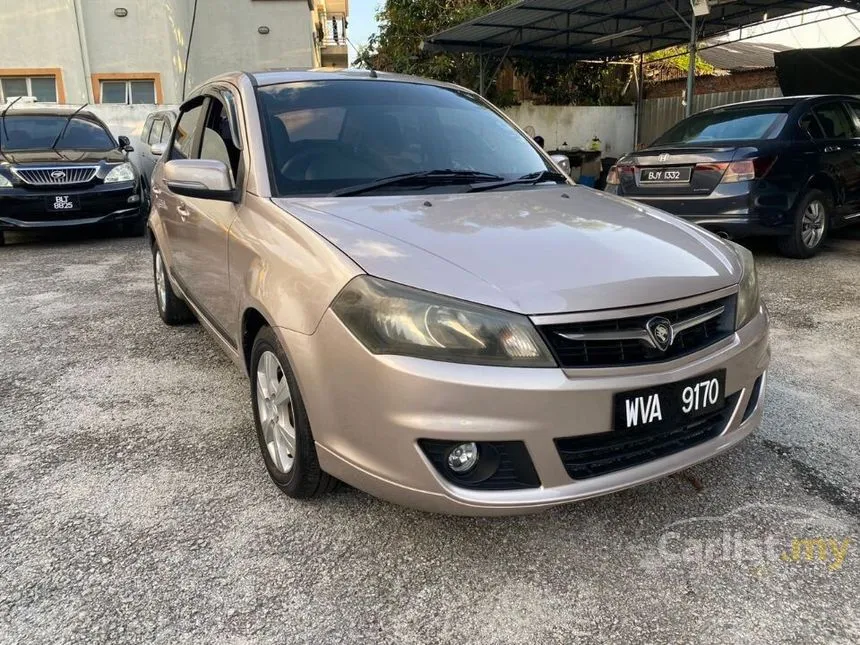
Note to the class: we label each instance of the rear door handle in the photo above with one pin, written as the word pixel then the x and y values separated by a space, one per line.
pixel 182 210
pixel 832 148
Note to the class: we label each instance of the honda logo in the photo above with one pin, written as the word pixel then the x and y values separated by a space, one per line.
pixel 663 157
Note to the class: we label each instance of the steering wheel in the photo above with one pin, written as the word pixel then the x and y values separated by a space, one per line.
pixel 296 168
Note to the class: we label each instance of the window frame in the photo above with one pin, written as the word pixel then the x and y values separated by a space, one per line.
pixel 154 77
pixel 37 72
pixel 214 97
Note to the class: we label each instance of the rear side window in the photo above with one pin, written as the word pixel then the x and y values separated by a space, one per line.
pixel 764 122
pixel 834 121
pixel 186 133
pixel 809 123
pixel 156 134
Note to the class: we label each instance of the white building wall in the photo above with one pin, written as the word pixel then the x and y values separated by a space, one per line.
pixel 576 125
pixel 153 38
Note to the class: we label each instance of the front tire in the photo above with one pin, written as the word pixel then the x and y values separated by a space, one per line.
pixel 810 226
pixel 283 429
pixel 171 308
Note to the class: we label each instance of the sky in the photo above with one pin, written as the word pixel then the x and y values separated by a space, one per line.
pixel 362 22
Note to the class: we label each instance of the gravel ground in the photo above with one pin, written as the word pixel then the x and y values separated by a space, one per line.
pixel 134 506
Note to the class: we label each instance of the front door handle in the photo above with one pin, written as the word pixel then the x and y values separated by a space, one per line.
pixel 156 191
pixel 832 148
pixel 183 211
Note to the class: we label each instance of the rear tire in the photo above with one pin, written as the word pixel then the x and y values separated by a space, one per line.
pixel 810 226
pixel 171 308
pixel 283 429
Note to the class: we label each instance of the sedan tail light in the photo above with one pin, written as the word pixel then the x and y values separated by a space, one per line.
pixel 613 177
pixel 743 170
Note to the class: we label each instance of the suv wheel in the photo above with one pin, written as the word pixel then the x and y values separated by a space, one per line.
pixel 283 429
pixel 810 226
pixel 171 307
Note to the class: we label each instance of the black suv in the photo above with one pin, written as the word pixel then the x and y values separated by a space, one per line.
pixel 788 167
pixel 60 166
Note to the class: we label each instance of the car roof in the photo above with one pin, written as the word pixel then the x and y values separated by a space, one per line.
pixel 783 101
pixel 292 75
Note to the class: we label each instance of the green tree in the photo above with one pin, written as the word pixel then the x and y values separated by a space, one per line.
pixel 405 24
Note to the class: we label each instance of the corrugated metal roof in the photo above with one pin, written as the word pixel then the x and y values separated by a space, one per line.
pixel 742 55
pixel 569 28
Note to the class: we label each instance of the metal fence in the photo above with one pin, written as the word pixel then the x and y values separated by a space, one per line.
pixel 658 115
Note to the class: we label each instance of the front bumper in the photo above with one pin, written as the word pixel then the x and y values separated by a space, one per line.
pixel 25 208
pixel 368 412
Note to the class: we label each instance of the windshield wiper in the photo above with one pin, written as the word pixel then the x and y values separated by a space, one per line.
pixel 424 177
pixel 3 122
pixel 531 178
pixel 66 126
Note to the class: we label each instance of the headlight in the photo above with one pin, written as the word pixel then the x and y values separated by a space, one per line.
pixel 389 318
pixel 4 182
pixel 122 172
pixel 748 298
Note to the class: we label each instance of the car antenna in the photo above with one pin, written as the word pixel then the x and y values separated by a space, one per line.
pixel 66 126
pixel 3 121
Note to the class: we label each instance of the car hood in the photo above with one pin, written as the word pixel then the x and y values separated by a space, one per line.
pixel 535 251
pixel 62 156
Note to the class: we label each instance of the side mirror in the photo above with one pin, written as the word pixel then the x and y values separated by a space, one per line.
pixel 563 162
pixel 125 144
pixel 158 149
pixel 201 178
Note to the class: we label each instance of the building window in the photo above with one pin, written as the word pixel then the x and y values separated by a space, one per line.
pixel 131 89
pixel 44 88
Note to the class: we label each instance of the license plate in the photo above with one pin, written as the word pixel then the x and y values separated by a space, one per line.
pixel 664 175
pixel 670 405
pixel 63 203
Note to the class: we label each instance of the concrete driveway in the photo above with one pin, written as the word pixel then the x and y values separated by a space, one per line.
pixel 134 506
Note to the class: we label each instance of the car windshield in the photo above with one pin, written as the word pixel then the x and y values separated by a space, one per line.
pixel 728 125
pixel 331 135
pixel 39 133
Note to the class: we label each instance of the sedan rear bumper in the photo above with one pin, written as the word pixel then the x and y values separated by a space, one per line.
pixel 369 415
pixel 735 209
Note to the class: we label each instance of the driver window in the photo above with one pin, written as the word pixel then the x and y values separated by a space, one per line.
pixel 217 142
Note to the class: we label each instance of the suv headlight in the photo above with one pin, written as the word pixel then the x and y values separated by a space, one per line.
pixel 4 182
pixel 390 318
pixel 122 172
pixel 748 297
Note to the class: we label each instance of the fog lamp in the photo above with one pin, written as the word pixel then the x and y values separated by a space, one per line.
pixel 463 457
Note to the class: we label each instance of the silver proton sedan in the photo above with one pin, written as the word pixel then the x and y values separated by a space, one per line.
pixel 429 310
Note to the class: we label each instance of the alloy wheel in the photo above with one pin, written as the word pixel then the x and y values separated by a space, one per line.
pixel 275 408
pixel 812 224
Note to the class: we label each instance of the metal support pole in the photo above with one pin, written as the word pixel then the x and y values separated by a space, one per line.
pixel 640 90
pixel 691 70
pixel 481 72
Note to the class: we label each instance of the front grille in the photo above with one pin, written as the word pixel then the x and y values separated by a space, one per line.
pixel 600 454
pixel 602 352
pixel 56 176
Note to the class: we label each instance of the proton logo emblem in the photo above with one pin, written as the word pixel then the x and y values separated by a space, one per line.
pixel 58 174
pixel 663 157
pixel 660 332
